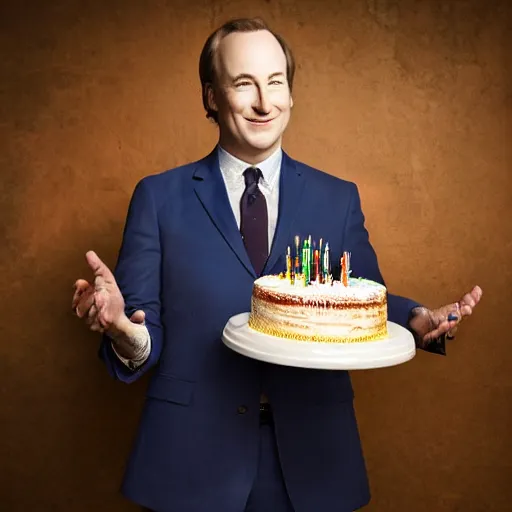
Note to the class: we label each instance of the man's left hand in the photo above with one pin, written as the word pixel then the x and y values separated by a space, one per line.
pixel 429 324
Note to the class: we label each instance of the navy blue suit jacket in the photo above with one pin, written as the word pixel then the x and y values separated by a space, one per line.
pixel 183 262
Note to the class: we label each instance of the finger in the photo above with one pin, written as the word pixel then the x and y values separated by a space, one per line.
pixel 468 300
pixel 103 317
pixel 455 315
pixel 98 267
pixel 84 304
pixel 138 317
pixel 95 322
pixel 477 293
pixel 96 327
pixel 472 298
pixel 92 315
pixel 450 335
pixel 441 329
pixel 449 313
pixel 465 310
pixel 81 286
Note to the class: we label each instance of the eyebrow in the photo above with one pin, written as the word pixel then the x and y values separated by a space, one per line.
pixel 251 77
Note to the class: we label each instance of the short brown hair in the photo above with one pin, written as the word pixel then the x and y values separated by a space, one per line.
pixel 207 59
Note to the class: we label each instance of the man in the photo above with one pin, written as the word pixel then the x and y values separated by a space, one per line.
pixel 221 432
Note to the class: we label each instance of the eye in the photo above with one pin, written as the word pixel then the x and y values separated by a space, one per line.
pixel 276 82
pixel 243 84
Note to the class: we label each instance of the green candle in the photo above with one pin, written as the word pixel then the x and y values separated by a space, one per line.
pixel 305 266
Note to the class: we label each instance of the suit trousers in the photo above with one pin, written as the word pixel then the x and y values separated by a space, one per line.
pixel 268 492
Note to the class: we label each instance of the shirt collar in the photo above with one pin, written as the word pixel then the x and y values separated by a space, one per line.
pixel 232 168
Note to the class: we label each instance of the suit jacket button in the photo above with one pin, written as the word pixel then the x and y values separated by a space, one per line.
pixel 242 409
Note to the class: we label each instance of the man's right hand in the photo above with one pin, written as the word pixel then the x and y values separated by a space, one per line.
pixel 100 303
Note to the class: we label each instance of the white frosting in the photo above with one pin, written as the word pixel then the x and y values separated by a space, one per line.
pixel 357 289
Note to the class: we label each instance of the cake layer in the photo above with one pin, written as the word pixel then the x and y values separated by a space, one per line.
pixel 320 312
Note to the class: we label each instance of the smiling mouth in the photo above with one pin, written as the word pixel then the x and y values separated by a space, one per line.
pixel 260 121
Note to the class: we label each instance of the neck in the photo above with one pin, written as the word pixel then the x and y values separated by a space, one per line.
pixel 251 156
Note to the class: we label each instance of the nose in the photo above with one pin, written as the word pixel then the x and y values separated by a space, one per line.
pixel 262 103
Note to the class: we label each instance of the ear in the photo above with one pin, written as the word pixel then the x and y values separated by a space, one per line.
pixel 212 104
pixel 291 101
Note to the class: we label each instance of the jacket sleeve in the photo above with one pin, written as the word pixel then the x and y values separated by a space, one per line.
pixel 364 260
pixel 138 275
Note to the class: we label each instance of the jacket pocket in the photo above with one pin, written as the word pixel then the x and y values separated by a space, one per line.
pixel 171 389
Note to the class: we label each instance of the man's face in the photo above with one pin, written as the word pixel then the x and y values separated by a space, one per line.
pixel 251 94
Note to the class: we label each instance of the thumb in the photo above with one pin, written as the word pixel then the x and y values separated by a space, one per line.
pixel 97 266
pixel 138 317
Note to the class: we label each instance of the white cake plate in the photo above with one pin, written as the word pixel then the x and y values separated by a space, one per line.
pixel 397 348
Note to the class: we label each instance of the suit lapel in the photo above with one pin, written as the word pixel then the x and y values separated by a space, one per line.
pixel 211 191
pixel 291 186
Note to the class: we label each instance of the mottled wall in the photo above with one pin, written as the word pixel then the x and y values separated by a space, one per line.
pixel 410 99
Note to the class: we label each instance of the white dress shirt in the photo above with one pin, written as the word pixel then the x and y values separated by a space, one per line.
pixel 232 170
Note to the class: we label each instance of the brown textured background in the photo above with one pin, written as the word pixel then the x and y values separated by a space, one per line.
pixel 410 99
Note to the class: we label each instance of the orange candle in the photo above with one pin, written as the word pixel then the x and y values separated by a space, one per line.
pixel 344 270
pixel 289 266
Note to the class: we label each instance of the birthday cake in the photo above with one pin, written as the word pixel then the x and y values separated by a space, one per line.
pixel 306 304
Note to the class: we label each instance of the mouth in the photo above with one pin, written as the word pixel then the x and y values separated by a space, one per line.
pixel 260 122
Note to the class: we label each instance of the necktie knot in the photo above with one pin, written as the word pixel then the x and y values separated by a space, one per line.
pixel 252 175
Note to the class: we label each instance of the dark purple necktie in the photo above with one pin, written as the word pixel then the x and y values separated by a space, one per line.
pixel 254 220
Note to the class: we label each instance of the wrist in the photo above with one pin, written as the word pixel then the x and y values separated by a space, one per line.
pixel 418 324
pixel 129 339
pixel 121 329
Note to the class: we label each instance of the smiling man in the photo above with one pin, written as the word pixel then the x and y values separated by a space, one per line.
pixel 221 432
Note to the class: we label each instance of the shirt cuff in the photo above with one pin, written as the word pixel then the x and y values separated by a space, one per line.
pixel 142 344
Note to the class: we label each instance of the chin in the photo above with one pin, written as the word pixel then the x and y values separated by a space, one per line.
pixel 263 142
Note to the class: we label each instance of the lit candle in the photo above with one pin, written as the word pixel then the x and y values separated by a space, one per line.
pixel 297 256
pixel 344 273
pixel 317 267
pixel 321 263
pixel 310 259
pixel 305 252
pixel 327 263
pixel 289 266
